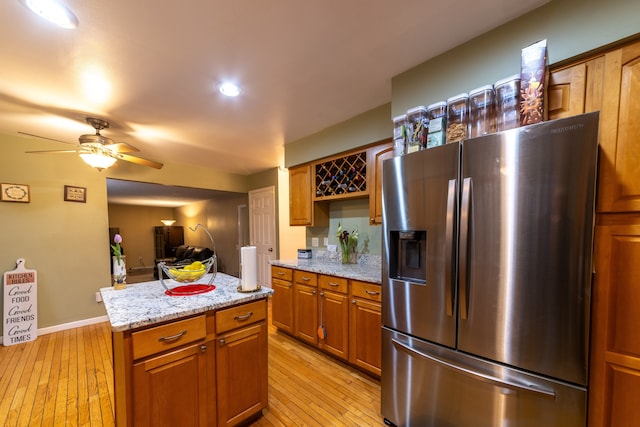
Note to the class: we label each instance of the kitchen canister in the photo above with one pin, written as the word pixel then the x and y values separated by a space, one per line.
pixel 417 128
pixel 507 98
pixel 457 117
pixel 481 111
pixel 437 113
pixel 399 135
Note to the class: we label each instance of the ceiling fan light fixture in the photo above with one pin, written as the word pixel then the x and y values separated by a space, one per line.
pixel 53 11
pixel 97 160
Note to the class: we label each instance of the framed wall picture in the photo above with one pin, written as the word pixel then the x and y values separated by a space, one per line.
pixel 14 193
pixel 75 194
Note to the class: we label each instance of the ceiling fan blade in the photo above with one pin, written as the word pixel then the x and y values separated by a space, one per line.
pixel 44 137
pixel 51 151
pixel 121 147
pixel 140 161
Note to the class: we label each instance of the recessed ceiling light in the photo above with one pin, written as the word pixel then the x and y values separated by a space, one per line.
pixel 229 89
pixel 53 11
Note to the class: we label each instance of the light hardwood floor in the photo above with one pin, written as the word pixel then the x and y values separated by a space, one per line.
pixel 66 378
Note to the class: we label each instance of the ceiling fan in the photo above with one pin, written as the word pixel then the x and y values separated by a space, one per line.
pixel 99 151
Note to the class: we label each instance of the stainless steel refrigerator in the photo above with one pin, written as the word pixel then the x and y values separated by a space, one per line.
pixel 486 279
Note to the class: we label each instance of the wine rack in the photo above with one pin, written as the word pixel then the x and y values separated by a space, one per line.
pixel 343 175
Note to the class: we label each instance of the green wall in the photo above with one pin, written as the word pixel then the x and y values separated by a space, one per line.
pixel 68 242
pixel 368 127
pixel 571 28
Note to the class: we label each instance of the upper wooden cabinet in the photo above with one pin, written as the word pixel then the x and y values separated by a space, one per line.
pixel 576 89
pixel 378 154
pixel 302 209
pixel 350 175
pixel 619 187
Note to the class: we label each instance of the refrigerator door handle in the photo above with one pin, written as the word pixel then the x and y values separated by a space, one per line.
pixel 500 382
pixel 449 282
pixel 465 217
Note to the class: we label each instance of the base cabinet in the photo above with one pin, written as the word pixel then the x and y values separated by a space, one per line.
pixel 282 299
pixel 172 389
pixel 342 317
pixel 206 370
pixel 240 371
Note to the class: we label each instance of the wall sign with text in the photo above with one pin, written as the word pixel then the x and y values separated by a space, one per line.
pixel 20 320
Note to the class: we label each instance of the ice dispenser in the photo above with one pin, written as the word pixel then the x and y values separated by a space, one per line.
pixel 408 255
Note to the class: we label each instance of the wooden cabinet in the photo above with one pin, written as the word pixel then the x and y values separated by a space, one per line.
pixel 342 317
pixel 305 306
pixel 241 365
pixel 576 89
pixel 282 298
pixel 610 82
pixel 615 355
pixel 172 389
pixel 334 315
pixel 302 209
pixel 167 239
pixel 365 326
pixel 205 370
pixel 378 154
pixel 619 173
pixel 354 174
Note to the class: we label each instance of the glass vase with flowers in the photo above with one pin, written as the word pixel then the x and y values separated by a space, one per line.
pixel 348 244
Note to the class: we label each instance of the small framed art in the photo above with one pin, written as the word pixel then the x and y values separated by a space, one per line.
pixel 75 194
pixel 14 193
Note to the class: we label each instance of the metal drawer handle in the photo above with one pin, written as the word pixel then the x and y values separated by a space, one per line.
pixel 280 273
pixel 333 284
pixel 243 317
pixel 306 279
pixel 371 292
pixel 172 337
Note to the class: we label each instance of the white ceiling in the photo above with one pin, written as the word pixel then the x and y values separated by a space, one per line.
pixel 303 66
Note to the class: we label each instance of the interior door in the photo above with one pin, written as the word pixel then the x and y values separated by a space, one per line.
pixel 262 225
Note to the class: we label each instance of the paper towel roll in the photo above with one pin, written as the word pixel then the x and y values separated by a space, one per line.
pixel 248 268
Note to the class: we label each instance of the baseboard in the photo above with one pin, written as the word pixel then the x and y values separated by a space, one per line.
pixel 70 325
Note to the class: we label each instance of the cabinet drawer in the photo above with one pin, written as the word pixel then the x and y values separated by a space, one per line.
pixel 370 291
pixel 305 278
pixel 281 273
pixel 165 337
pixel 333 283
pixel 242 315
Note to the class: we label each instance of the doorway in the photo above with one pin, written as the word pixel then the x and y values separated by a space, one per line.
pixel 262 232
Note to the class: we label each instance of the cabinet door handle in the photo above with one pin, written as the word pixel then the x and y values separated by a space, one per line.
pixel 371 292
pixel 173 337
pixel 222 342
pixel 353 301
pixel 243 317
pixel 203 348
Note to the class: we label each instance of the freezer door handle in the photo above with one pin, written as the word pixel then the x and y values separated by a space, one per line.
pixel 465 218
pixel 500 382
pixel 450 222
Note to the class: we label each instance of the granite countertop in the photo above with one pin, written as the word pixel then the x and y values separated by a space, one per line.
pixel 144 304
pixel 367 272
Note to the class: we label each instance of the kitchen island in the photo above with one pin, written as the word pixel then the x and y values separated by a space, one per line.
pixel 331 306
pixel 188 360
